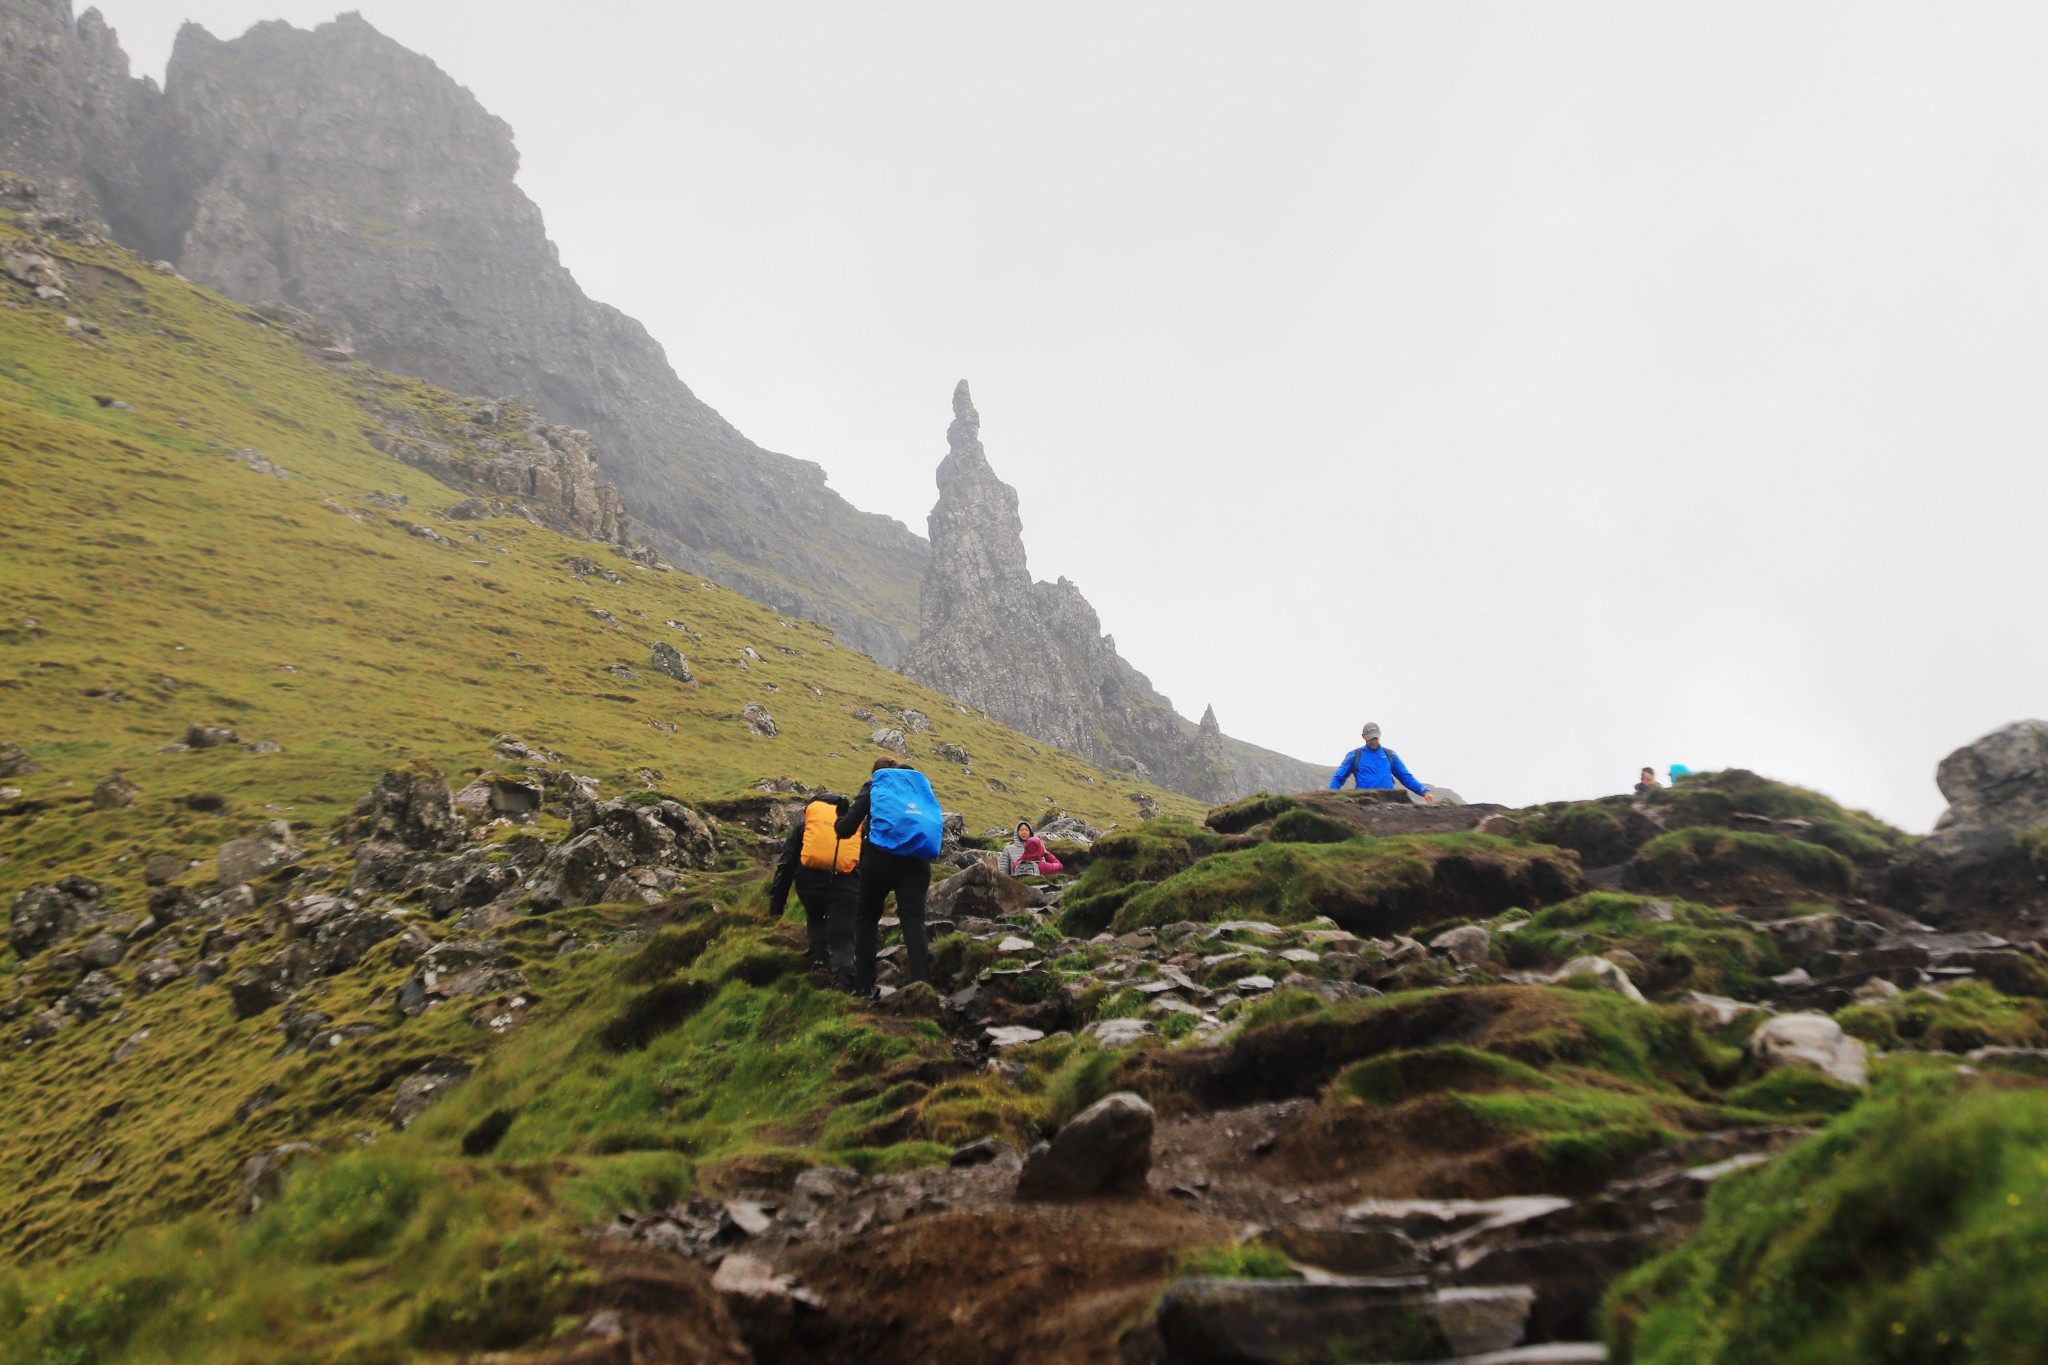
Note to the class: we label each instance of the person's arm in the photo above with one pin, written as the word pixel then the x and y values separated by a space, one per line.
pixel 1403 776
pixel 785 872
pixel 856 814
pixel 1344 770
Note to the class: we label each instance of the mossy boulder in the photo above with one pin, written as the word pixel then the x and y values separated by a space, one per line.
pixel 1737 867
pixel 1681 946
pixel 1371 887
pixel 1964 1016
pixel 1122 862
pixel 1602 833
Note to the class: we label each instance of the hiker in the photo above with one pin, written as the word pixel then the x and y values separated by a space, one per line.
pixel 903 834
pixel 1647 783
pixel 1374 768
pixel 1677 771
pixel 1026 855
pixel 825 870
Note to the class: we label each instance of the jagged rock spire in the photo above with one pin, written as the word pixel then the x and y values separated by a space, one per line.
pixel 982 634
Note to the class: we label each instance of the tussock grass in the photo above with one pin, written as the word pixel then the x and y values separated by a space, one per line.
pixel 1370 886
pixel 1913 1228
pixel 1698 948
pixel 1964 1016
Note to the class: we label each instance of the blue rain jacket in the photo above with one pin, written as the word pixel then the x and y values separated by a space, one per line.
pixel 1375 770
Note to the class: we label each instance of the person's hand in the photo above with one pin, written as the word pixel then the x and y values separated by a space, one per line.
pixel 1429 798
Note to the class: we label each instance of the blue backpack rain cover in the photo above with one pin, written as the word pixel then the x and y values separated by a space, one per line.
pixel 903 815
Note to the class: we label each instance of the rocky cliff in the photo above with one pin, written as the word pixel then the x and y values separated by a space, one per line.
pixel 341 173
pixel 1034 655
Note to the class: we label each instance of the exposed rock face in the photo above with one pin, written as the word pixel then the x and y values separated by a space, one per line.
pixel 1033 655
pixel 1986 864
pixel 1999 782
pixel 346 176
pixel 71 118
pixel 505 447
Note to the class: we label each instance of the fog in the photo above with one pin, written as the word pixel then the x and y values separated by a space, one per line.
pixel 1567 387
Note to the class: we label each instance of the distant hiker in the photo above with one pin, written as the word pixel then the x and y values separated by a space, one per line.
pixel 1647 783
pixel 904 833
pixel 1026 855
pixel 1374 768
pixel 825 870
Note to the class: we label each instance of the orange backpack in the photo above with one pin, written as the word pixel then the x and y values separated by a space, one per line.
pixel 823 850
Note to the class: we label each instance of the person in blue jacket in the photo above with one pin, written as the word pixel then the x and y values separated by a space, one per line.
pixel 1374 768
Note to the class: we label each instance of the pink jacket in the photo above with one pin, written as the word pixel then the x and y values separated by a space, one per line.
pixel 1034 852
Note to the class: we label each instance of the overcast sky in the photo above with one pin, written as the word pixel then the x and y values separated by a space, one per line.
pixel 1567 387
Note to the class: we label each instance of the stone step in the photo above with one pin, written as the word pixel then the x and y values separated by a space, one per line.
pixel 1551 1353
pixel 1267 1322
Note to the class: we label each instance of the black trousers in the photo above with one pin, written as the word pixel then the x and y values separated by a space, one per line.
pixel 880 873
pixel 830 901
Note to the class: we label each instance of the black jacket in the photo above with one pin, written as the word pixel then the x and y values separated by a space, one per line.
pixel 789 868
pixel 855 815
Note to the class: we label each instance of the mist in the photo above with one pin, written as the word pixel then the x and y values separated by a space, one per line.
pixel 1566 388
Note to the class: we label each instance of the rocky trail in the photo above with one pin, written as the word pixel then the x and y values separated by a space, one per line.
pixel 1329 1077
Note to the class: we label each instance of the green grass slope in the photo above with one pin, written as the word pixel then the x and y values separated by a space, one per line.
pixel 152 580
pixel 1914 1228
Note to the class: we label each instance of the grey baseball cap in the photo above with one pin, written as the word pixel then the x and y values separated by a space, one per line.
pixel 1371 730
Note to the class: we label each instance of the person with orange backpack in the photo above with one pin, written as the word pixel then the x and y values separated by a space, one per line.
pixel 825 870
pixel 904 831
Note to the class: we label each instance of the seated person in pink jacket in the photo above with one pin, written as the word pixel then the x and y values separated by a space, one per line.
pixel 1026 855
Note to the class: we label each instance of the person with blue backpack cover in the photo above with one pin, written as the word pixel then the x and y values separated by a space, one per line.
pixel 904 832
pixel 1373 767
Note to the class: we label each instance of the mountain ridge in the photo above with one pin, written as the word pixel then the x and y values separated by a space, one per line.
pixel 340 173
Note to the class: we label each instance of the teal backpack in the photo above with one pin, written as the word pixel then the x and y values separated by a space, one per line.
pixel 903 815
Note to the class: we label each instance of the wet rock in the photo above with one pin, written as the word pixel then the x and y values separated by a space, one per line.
pixel 1468 945
pixel 263 1177
pixel 341 941
pixel 412 808
pixel 669 661
pixel 1715 1011
pixel 162 869
pixel 1998 781
pixel 1811 1040
pixel 103 950
pixel 1569 1273
pixel 758 720
pixel 979 892
pixel 1105 1149
pixel 513 798
pixel 578 871
pixel 980 1152
pixel 156 974
pixel 209 736
pixel 823 1185
pixel 1369 1251
pixel 1001 1037
pixel 1253 1322
pixel 95 995
pixel 113 792
pixel 1606 973
pixel 425 1088
pixel 1115 1034
pixel 251 859
pixel 764 1304
pixel 43 914
pixel 266 985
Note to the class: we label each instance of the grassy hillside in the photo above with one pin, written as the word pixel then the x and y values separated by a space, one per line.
pixel 155 580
